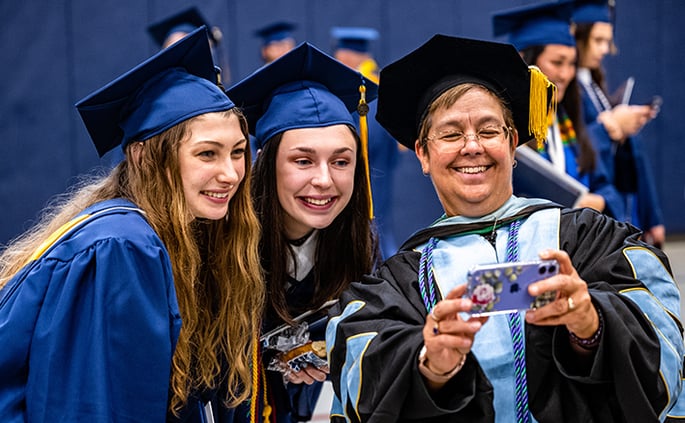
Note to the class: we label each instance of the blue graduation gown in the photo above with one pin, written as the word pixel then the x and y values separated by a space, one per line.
pixel 294 402
pixel 634 179
pixel 597 181
pixel 88 330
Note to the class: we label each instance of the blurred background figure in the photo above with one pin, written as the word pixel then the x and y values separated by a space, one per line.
pixel 352 47
pixel 542 35
pixel 614 124
pixel 171 29
pixel 277 40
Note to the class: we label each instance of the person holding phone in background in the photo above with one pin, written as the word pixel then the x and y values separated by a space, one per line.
pixel 614 127
pixel 607 348
pixel 541 33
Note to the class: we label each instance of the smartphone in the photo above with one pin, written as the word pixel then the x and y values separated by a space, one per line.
pixel 503 287
pixel 655 103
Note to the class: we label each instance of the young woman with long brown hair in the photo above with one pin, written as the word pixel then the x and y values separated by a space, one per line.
pixel 139 298
pixel 312 196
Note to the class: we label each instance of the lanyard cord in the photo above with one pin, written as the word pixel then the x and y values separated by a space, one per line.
pixel 518 336
pixel 427 290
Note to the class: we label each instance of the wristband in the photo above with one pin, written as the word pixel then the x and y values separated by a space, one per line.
pixel 591 342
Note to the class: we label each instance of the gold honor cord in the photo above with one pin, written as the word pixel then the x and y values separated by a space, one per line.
pixel 55 236
pixel 257 371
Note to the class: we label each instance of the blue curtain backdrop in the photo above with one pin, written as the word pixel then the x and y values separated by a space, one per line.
pixel 56 52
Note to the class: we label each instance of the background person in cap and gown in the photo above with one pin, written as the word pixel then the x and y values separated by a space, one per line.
pixel 277 39
pixel 173 28
pixel 542 35
pixel 312 195
pixel 401 345
pixel 353 48
pixel 614 127
pixel 109 307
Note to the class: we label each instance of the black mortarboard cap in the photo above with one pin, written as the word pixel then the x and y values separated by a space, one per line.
pixel 187 20
pixel 305 88
pixel 174 85
pixel 410 84
pixel 276 31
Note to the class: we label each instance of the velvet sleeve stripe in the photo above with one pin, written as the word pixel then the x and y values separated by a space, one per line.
pixel 351 377
pixel 661 307
pixel 351 371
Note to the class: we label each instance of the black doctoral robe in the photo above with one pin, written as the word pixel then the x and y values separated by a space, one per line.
pixel 624 381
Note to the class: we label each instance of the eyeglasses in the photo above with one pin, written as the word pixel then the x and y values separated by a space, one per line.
pixel 487 137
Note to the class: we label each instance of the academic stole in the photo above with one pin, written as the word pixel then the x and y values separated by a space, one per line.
pixel 429 297
pixel 566 130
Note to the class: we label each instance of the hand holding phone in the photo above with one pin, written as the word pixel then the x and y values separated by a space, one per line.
pixel 655 105
pixel 503 287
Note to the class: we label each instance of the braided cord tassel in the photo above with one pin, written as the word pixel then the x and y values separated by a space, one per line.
pixel 427 277
pixel 512 241
pixel 518 337
pixel 254 396
pixel 521 388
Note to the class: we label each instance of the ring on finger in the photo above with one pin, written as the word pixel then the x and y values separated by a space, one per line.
pixel 571 304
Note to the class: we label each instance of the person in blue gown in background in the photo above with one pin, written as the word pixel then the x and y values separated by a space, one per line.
pixel 541 33
pixel 139 297
pixel 614 126
pixel 353 48
pixel 277 39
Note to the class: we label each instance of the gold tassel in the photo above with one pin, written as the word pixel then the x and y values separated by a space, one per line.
pixel 538 117
pixel 266 413
pixel 363 110
pixel 219 83
pixel 369 68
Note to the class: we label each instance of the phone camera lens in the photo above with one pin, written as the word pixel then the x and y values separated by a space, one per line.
pixel 552 268
pixel 542 270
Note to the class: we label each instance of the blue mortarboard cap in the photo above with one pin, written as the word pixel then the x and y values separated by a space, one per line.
pixel 354 38
pixel 590 11
pixel 186 21
pixel 305 88
pixel 174 85
pixel 276 31
pixel 538 25
pixel 410 84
